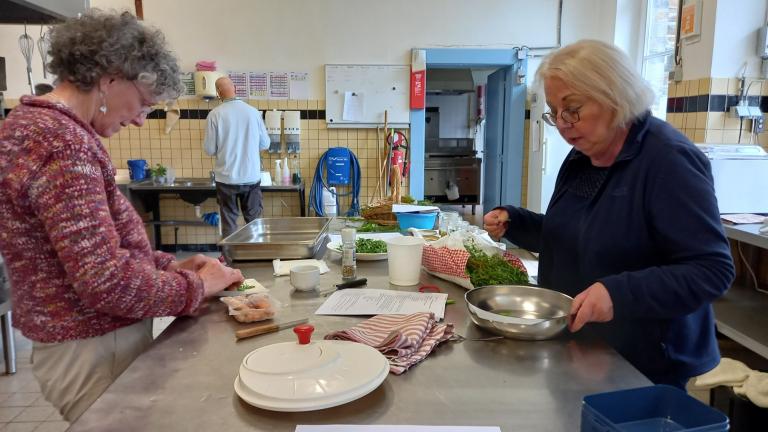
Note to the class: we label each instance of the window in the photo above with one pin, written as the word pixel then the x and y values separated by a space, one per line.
pixel 659 49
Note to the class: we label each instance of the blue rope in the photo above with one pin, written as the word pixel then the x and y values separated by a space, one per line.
pixel 316 191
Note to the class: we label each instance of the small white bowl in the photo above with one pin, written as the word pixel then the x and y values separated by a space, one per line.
pixel 305 277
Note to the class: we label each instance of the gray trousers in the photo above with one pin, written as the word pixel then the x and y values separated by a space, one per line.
pixel 72 375
pixel 247 196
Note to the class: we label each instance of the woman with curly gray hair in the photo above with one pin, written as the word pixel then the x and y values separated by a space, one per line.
pixel 633 231
pixel 85 281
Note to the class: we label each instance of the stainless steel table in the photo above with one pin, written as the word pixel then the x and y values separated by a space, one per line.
pixel 740 312
pixel 184 382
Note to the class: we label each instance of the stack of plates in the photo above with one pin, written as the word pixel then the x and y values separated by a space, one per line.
pixel 323 374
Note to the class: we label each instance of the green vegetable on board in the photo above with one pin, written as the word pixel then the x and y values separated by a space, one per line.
pixel 484 269
pixel 244 287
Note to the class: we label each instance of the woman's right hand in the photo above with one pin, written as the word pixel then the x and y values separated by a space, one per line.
pixel 216 277
pixel 496 222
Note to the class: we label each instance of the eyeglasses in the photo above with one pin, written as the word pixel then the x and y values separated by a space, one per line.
pixel 569 115
pixel 146 107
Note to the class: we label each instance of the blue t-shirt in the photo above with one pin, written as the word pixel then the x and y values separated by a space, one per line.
pixel 235 134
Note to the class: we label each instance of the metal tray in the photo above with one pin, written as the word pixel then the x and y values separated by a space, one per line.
pixel 270 238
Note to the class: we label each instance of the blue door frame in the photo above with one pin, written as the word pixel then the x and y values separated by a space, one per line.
pixel 462 58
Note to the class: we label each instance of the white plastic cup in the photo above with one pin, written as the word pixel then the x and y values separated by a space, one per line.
pixel 404 259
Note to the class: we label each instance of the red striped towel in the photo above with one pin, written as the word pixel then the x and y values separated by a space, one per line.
pixel 403 339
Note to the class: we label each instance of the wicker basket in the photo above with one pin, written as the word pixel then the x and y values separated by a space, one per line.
pixel 380 212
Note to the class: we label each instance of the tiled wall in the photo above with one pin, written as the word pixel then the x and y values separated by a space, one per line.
pixel 182 150
pixel 700 109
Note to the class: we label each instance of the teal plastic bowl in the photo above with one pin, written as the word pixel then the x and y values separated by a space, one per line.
pixel 416 220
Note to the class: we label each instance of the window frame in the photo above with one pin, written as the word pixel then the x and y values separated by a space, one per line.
pixel 646 58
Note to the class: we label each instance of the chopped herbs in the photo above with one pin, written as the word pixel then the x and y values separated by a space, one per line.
pixel 370 246
pixel 244 287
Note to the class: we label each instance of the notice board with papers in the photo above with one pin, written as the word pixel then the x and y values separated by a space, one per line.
pixel 356 96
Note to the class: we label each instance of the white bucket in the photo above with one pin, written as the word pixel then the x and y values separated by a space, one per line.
pixel 404 259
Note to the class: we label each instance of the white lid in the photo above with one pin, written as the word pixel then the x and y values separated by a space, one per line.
pixel 322 374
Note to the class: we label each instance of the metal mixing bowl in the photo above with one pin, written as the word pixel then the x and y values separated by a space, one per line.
pixel 519 311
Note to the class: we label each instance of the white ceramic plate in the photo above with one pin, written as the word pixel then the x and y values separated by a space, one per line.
pixel 335 247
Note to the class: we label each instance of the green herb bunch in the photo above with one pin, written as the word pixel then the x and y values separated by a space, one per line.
pixel 484 269
pixel 374 227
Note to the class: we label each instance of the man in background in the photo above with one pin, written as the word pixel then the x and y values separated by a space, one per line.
pixel 235 134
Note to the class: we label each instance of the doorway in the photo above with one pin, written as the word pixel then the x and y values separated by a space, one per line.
pixel 502 146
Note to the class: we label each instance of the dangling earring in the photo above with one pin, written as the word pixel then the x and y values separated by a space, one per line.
pixel 103 107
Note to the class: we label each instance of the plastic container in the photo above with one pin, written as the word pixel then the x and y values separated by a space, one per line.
pixel 137 169
pixel 329 202
pixel 654 408
pixel 416 220
pixel 404 259
pixel 286 173
pixel 278 173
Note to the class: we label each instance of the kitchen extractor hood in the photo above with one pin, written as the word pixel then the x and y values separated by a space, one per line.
pixel 40 11
pixel 450 81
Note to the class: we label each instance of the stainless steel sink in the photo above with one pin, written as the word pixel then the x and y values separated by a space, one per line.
pixel 179 183
pixel 192 190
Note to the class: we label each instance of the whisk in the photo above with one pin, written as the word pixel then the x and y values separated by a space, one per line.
pixel 27 47
pixel 43 45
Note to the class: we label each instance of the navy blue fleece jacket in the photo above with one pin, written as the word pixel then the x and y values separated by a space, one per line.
pixel 651 233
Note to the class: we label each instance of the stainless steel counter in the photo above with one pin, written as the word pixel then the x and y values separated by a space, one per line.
pixel 747 233
pixel 740 312
pixel 184 382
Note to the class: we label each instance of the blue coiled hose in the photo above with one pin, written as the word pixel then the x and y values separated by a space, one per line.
pixel 316 191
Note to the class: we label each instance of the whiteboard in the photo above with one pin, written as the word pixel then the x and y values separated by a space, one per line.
pixel 356 96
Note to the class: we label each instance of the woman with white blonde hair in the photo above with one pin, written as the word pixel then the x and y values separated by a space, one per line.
pixel 632 231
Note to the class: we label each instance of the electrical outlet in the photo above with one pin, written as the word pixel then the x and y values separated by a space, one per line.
pixel 759 124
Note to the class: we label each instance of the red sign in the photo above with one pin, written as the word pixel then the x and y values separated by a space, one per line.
pixel 418 87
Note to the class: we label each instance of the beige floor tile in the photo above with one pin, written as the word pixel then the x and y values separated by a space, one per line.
pixel 9 413
pixel 57 426
pixel 20 400
pixel 40 401
pixel 21 427
pixel 30 386
pixel 55 416
pixel 34 414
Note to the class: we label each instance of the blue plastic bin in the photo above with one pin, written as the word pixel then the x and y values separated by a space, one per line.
pixel 416 220
pixel 654 408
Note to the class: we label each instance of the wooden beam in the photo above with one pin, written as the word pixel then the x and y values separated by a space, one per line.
pixel 139 9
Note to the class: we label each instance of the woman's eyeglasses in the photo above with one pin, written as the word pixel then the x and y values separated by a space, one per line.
pixel 569 115
pixel 146 107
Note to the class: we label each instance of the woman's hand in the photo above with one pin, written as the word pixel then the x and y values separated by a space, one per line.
pixel 496 222
pixel 216 277
pixel 194 263
pixel 594 304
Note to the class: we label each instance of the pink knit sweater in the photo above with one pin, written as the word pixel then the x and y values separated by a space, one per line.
pixel 79 259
